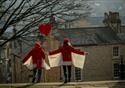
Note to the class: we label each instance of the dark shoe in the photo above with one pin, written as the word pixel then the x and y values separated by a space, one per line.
pixel 65 81
pixel 33 81
pixel 68 80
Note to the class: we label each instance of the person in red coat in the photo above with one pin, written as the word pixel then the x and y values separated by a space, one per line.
pixel 66 50
pixel 38 55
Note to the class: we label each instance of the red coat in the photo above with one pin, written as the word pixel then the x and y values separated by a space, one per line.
pixel 37 56
pixel 66 52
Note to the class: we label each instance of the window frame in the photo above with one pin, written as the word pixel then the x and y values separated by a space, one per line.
pixel 75 74
pixel 116 71
pixel 114 51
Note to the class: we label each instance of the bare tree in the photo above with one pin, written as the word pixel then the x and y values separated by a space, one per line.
pixel 22 17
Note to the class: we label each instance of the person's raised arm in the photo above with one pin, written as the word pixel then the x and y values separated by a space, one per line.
pixel 55 51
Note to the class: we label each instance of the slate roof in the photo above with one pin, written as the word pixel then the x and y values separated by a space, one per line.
pixel 89 35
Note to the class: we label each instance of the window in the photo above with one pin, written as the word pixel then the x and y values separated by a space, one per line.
pixel 78 74
pixel 115 51
pixel 116 70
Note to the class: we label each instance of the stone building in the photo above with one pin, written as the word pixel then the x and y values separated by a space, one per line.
pixel 106 53
pixel 106 46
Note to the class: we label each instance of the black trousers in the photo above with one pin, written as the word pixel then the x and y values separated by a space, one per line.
pixel 36 75
pixel 67 72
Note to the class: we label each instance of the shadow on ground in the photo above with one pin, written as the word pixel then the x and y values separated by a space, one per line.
pixel 119 85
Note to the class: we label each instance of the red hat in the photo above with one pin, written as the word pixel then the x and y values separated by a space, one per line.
pixel 66 39
pixel 37 44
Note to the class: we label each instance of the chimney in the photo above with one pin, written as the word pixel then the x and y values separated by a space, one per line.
pixel 112 20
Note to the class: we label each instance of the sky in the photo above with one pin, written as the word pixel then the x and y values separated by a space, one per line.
pixel 101 6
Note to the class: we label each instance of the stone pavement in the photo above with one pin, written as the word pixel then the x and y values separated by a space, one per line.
pixel 90 84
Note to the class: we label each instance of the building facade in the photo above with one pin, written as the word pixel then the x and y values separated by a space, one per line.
pixel 105 60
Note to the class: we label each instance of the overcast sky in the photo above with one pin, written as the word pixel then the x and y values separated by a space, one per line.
pixel 101 6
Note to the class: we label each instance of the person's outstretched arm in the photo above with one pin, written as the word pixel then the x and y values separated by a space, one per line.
pixel 78 51
pixel 55 51
pixel 43 54
pixel 27 55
